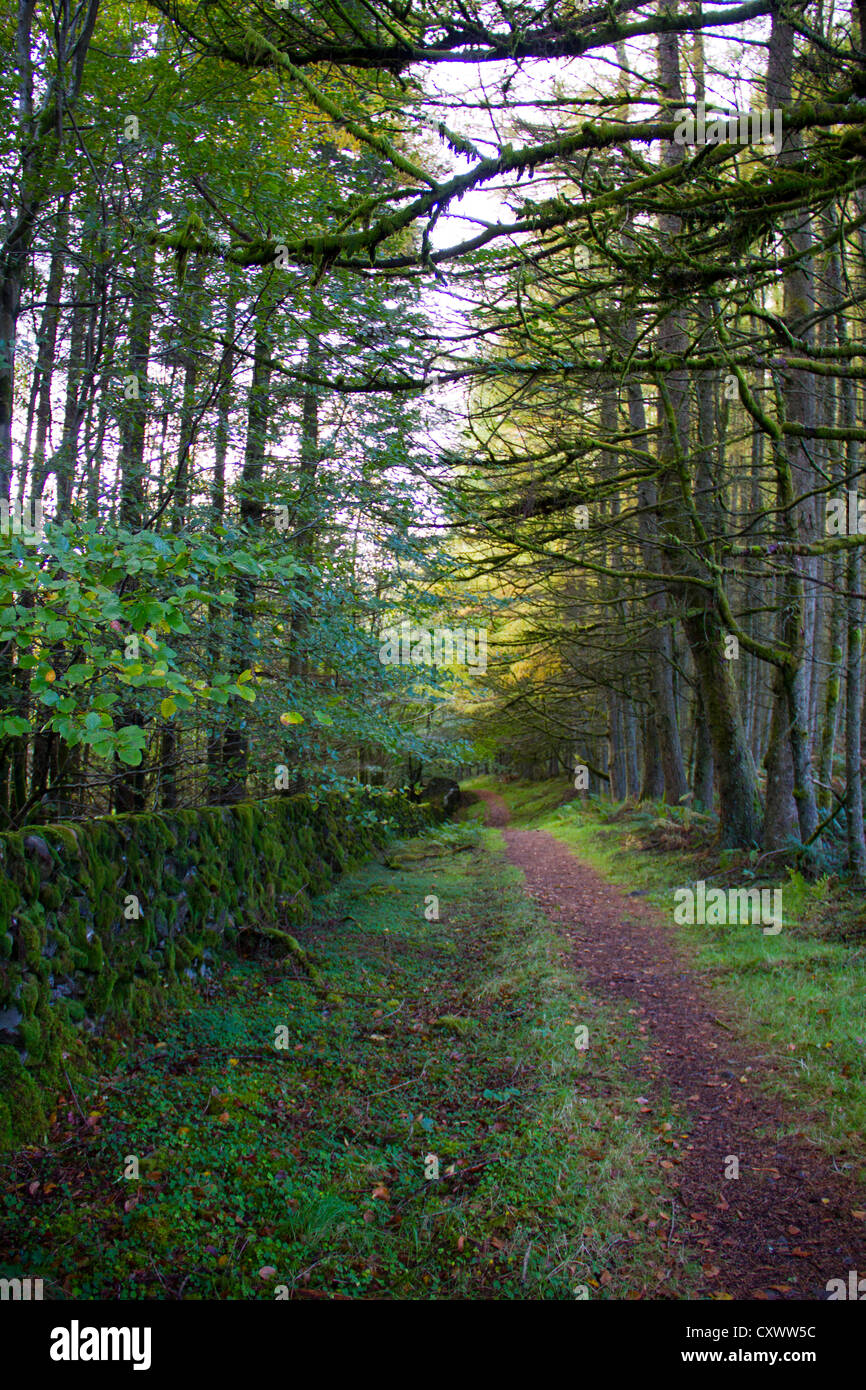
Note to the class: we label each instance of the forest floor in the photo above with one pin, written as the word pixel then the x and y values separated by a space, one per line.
pixel 287 1135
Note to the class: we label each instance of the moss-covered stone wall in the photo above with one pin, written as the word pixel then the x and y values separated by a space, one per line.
pixel 104 917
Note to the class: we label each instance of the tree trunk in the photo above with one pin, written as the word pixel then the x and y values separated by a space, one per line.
pixel 235 742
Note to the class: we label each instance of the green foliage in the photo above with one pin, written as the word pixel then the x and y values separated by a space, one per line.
pixel 116 639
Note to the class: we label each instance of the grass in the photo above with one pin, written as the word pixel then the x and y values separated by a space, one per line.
pixel 306 1170
pixel 798 998
pixel 527 801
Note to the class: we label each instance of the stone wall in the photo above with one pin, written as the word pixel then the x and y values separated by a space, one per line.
pixel 102 918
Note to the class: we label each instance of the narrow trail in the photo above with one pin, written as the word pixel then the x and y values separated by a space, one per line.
pixel 786 1225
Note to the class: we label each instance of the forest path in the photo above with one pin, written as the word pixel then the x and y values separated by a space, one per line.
pixel 787 1225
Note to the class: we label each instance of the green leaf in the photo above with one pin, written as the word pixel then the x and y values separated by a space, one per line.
pixel 14 725
pixel 145 613
pixel 79 671
pixel 130 756
pixel 130 736
pixel 176 620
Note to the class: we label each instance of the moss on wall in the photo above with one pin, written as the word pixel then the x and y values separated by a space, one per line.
pixel 106 917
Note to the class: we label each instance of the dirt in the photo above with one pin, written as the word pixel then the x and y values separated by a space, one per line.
pixel 785 1226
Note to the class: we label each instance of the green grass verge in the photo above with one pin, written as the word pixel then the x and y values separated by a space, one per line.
pixel 299 1171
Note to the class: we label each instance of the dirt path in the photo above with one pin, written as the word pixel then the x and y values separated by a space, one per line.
pixel 786 1225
